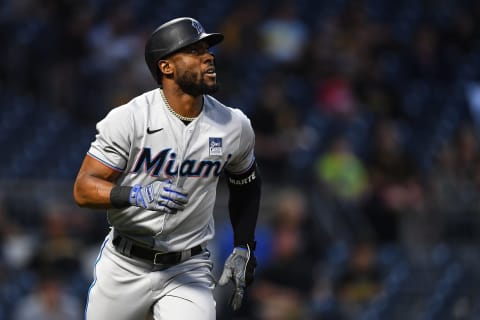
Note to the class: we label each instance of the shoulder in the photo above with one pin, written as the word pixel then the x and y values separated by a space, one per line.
pixel 136 106
pixel 219 112
pixel 146 99
pixel 143 101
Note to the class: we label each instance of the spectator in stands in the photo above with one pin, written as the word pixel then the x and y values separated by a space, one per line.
pixel 335 97
pixel 360 282
pixel 49 300
pixel 283 288
pixel 240 46
pixel 394 183
pixel 283 35
pixel 454 185
pixel 276 125
pixel 239 28
pixel 341 172
pixel 341 186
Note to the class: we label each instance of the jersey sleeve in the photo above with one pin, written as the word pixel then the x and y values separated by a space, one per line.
pixel 113 139
pixel 245 157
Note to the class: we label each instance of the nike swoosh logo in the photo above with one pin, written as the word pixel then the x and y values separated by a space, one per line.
pixel 149 131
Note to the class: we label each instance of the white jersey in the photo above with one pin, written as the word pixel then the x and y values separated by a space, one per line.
pixel 145 141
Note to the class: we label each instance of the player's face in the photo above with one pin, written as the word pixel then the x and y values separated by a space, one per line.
pixel 195 70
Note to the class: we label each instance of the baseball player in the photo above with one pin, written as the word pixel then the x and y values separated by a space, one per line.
pixel 154 165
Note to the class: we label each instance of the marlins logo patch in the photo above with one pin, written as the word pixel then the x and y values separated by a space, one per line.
pixel 215 146
pixel 197 27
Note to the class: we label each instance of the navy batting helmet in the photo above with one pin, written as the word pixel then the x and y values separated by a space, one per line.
pixel 173 36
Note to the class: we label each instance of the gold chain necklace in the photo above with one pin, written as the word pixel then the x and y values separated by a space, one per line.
pixel 179 116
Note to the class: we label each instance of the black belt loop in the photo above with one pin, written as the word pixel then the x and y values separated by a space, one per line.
pixel 128 248
pixel 125 246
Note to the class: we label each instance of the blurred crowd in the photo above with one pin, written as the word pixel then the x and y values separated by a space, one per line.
pixel 366 118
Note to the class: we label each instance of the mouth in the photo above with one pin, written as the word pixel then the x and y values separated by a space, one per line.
pixel 210 72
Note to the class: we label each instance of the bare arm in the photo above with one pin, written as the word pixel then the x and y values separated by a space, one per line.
pixel 93 184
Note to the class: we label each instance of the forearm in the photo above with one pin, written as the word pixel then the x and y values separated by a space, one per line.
pixel 244 221
pixel 94 184
pixel 93 192
pixel 244 203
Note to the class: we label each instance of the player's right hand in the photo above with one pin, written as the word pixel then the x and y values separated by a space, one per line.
pixel 159 196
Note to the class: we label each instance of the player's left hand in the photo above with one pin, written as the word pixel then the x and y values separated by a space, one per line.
pixel 240 269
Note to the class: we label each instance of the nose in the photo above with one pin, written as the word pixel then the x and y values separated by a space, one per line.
pixel 210 57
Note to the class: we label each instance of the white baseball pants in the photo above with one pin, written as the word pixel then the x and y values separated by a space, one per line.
pixel 131 289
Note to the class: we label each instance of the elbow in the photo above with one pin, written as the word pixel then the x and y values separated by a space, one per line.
pixel 81 202
pixel 78 195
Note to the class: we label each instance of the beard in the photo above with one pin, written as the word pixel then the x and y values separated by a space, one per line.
pixel 190 84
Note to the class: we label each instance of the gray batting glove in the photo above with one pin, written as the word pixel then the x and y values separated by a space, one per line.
pixel 159 196
pixel 240 269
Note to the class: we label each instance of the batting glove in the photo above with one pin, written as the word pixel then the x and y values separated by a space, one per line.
pixel 159 196
pixel 240 269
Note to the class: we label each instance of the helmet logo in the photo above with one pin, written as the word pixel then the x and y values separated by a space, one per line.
pixel 197 27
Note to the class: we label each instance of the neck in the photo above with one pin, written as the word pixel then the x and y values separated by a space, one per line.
pixel 183 104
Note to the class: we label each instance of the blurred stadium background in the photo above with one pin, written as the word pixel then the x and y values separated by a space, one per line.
pixel 366 115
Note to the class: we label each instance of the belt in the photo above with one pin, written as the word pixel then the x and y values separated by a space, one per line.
pixel 157 257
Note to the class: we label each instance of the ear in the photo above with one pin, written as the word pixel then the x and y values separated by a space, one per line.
pixel 165 67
